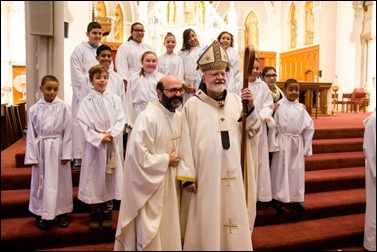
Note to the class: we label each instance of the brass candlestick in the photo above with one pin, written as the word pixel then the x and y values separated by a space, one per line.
pixel 335 88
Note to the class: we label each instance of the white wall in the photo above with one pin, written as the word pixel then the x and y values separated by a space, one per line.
pixel 347 48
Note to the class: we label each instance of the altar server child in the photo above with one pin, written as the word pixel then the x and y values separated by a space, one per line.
pixel 291 140
pixel 102 120
pixel 49 151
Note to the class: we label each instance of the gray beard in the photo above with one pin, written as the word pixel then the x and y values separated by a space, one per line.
pixel 171 103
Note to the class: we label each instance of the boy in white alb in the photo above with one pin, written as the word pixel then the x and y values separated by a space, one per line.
pixel 49 150
pixel 102 120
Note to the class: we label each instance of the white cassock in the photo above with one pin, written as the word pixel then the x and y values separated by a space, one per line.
pixel 115 85
pixel 291 140
pixel 48 141
pixel 218 216
pixel 232 84
pixel 149 210
pixel 102 167
pixel 192 76
pixel 234 63
pixel 82 59
pixel 369 147
pixel 264 106
pixel 128 58
pixel 141 89
pixel 171 64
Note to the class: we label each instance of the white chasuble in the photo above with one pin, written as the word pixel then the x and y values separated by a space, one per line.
pixel 149 210
pixel 218 215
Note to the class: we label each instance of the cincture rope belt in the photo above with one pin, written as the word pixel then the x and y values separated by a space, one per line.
pixel 287 150
pixel 40 145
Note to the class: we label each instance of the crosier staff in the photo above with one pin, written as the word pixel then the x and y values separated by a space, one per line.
pixel 248 64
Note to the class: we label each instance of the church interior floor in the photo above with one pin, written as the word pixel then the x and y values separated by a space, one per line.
pixel 334 198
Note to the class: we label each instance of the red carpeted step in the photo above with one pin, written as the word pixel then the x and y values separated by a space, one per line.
pixel 317 205
pixel 22 234
pixel 334 187
pixel 337 145
pixel 7 155
pixel 326 133
pixel 311 235
pixel 15 178
pixel 334 179
pixel 19 159
pixel 334 160
pixel 91 247
pixel 15 203
pixel 353 248
pixel 19 178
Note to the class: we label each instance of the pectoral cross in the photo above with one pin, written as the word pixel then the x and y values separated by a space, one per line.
pixel 228 178
pixel 230 225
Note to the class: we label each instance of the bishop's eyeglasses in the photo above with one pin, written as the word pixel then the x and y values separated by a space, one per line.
pixel 217 75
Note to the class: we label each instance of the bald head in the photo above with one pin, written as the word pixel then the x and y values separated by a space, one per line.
pixel 169 80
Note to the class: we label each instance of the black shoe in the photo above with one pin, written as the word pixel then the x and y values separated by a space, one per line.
pixel 95 221
pixel 107 221
pixel 278 206
pixel 63 220
pixel 43 224
pixel 300 206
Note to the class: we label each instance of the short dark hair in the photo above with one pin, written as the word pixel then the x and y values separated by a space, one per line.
pixel 101 48
pixel 169 34
pixel 48 78
pixel 289 81
pixel 93 25
pixel 266 69
pixel 160 85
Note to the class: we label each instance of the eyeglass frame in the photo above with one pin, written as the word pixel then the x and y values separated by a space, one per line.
pixel 138 30
pixel 271 75
pixel 174 91
pixel 216 75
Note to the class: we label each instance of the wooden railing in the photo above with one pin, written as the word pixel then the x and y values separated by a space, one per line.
pixel 314 96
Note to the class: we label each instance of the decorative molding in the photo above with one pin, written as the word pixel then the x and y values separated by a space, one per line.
pixel 358 6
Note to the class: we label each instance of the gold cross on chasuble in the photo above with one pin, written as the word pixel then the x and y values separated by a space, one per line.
pixel 228 178
pixel 230 226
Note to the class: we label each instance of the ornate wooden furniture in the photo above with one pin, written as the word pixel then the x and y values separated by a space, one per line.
pixel 353 102
pixel 314 96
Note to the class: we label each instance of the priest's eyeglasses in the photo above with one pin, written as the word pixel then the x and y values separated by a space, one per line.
pixel 174 91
